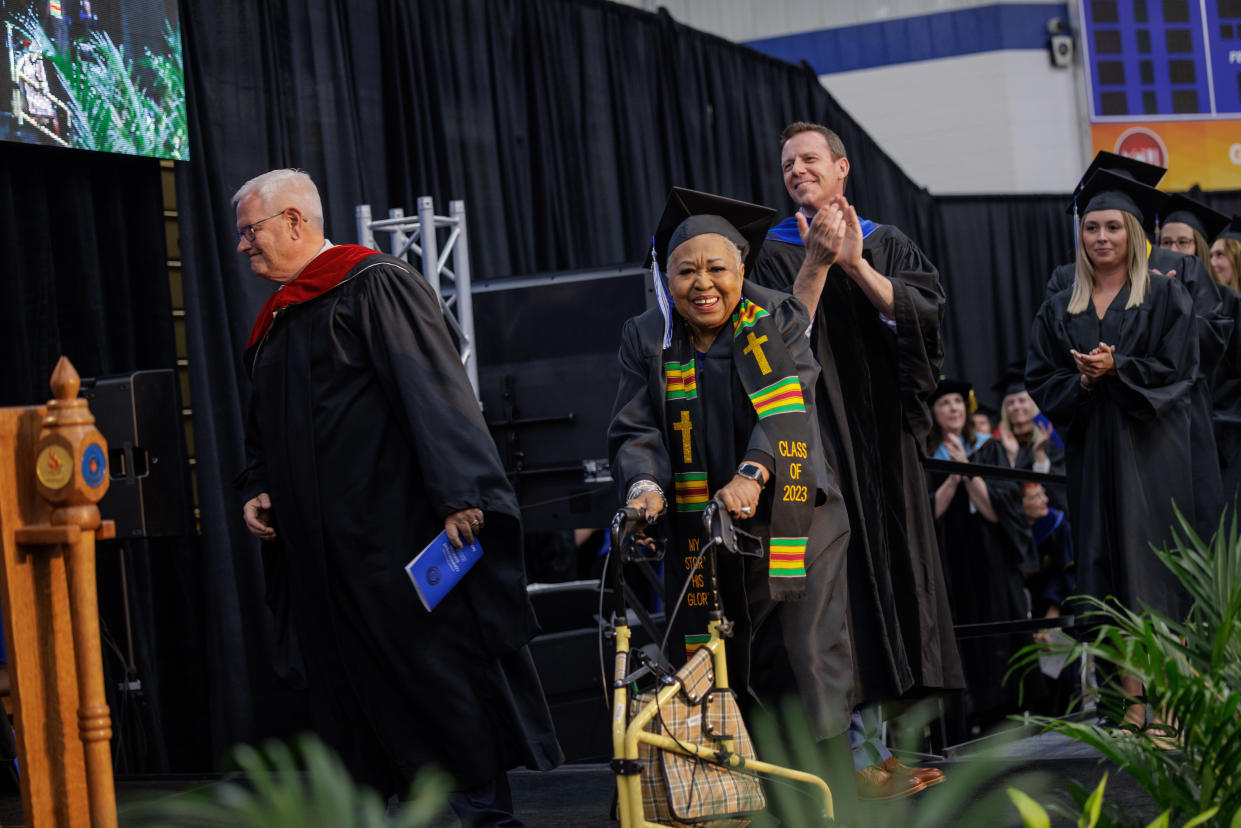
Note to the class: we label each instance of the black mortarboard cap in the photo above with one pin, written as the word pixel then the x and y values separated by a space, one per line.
pixel 1139 171
pixel 1233 230
pixel 690 213
pixel 954 386
pixel 1012 380
pixel 1182 209
pixel 1107 190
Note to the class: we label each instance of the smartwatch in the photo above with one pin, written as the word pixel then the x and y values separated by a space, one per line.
pixel 752 471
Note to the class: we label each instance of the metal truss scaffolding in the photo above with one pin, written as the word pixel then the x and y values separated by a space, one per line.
pixel 447 268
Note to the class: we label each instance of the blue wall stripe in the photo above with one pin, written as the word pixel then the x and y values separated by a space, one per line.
pixel 925 37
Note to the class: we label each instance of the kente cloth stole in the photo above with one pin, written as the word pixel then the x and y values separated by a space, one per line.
pixel 769 377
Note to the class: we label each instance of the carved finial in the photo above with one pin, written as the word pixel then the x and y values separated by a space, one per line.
pixel 65 380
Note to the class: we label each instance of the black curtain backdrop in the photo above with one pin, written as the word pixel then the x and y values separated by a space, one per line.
pixel 83 235
pixel 561 123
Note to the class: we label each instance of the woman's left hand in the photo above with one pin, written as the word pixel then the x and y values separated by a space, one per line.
pixel 740 496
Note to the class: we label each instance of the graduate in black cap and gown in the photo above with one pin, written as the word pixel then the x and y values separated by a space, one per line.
pixel 1212 330
pixel 1027 437
pixel 716 401
pixel 1226 389
pixel 1188 228
pixel 1112 360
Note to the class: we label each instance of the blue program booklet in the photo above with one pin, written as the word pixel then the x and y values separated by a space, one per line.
pixel 437 568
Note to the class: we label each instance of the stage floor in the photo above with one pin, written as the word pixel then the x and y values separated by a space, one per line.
pixel 581 795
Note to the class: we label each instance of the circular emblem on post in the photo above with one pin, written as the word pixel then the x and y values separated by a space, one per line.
pixel 94 464
pixel 433 575
pixel 54 468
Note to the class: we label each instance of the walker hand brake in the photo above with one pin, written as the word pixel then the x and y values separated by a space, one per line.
pixel 718 527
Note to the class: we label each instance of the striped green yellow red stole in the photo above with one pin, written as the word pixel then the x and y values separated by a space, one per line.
pixel 768 374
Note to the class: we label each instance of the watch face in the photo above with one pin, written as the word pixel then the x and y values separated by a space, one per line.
pixel 749 470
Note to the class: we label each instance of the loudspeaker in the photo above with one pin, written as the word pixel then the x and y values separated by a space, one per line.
pixel 140 417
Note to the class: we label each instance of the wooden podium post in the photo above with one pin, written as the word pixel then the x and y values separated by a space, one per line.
pixel 53 472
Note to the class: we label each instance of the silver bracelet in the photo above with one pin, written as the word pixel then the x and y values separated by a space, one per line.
pixel 642 487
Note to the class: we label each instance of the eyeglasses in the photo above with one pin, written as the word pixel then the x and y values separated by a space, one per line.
pixel 1184 243
pixel 248 230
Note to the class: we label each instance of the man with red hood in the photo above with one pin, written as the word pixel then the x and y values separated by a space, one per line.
pixel 364 441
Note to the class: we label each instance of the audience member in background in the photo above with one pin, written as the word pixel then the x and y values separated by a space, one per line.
pixel 1226 256
pixel 1112 361
pixel 1027 437
pixel 1056 578
pixel 983 538
pixel 1049 588
pixel 984 420
pixel 1187 224
pixel 1226 387
pixel 1211 330
pixel 1189 219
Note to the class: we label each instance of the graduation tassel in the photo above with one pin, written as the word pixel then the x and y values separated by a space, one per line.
pixel 662 297
pixel 1077 225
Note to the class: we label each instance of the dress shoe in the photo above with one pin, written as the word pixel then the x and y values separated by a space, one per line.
pixel 927 776
pixel 876 784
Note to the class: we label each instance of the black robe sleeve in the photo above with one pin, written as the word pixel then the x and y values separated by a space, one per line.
pixel 420 370
pixel 635 435
pixel 402 328
pixel 918 309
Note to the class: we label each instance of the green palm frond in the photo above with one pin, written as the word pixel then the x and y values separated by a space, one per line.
pixel 1190 670
pixel 285 788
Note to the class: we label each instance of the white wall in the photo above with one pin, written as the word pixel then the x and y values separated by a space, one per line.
pixel 1003 122
pixel 743 20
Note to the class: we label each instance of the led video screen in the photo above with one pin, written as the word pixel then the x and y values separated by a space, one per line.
pixel 103 75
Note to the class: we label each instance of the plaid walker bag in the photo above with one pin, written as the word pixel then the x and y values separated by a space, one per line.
pixel 685 790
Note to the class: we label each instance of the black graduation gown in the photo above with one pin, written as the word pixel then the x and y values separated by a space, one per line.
pixel 1127 440
pixel 983 563
pixel 811 635
pixel 872 412
pixel 365 433
pixel 1214 330
pixel 1226 411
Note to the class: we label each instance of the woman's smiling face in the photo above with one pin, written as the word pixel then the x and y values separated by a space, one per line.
pixel 704 276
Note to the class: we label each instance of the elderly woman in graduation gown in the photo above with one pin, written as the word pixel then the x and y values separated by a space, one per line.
pixel 1111 362
pixel 716 400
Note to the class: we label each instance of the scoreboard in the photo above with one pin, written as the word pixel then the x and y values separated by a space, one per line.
pixel 1156 60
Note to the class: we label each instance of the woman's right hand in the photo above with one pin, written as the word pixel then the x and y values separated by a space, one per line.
pixel 651 504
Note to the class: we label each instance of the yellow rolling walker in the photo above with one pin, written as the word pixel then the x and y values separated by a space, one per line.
pixel 699 740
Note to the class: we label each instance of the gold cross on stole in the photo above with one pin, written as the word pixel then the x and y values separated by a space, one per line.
pixel 685 427
pixel 755 342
